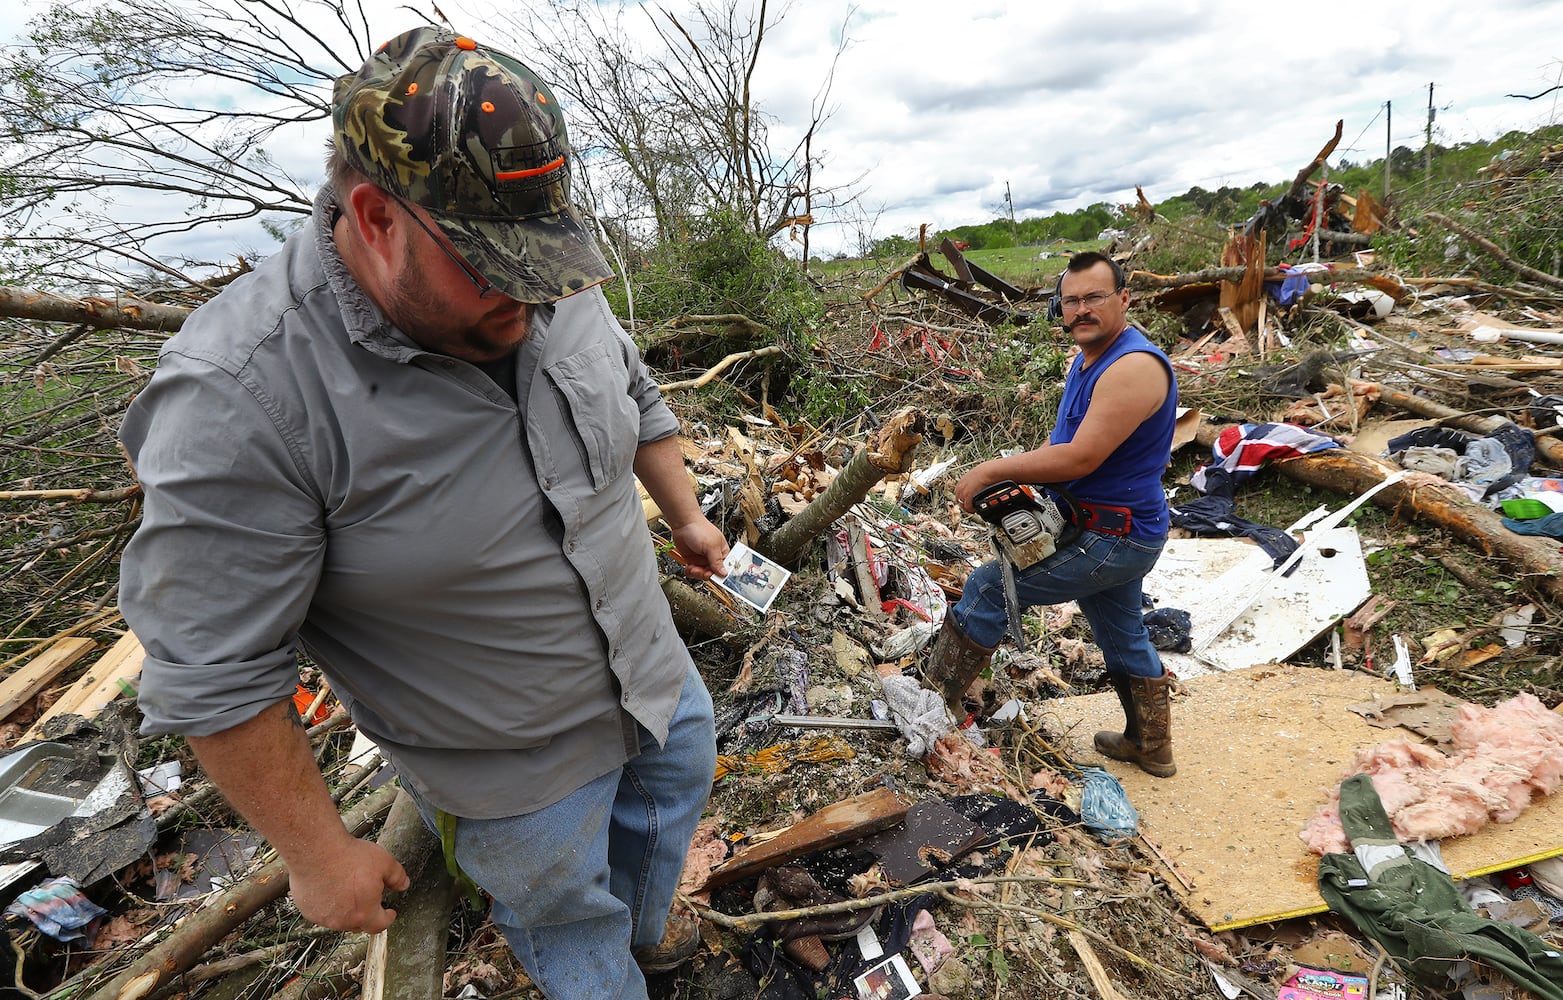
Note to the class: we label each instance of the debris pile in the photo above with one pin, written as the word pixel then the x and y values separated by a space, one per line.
pixel 1369 498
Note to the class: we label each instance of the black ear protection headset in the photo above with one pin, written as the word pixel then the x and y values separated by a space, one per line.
pixel 1055 302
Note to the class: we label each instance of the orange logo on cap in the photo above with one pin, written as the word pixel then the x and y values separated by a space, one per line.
pixel 412 88
pixel 463 42
pixel 516 175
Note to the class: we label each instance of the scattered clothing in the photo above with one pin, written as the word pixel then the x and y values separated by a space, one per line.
pixel 1550 526
pixel 1483 465
pixel 57 907
pixel 1212 514
pixel 1244 449
pixel 1289 288
pixel 1414 910
pixel 1171 629
pixel 918 712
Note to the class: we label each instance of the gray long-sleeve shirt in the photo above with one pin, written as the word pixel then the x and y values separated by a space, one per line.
pixel 474 575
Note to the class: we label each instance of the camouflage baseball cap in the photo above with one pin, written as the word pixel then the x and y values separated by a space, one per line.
pixel 475 138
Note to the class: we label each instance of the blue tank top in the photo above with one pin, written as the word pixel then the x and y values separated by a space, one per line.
pixel 1131 475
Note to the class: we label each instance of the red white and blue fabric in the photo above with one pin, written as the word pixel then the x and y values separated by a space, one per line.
pixel 1244 449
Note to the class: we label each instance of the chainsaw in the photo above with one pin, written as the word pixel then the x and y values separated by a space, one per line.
pixel 1027 527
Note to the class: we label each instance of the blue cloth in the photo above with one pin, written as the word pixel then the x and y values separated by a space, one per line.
pixel 1131 476
pixel 578 883
pixel 1212 514
pixel 1551 526
pixel 1170 629
pixel 1288 289
pixel 1103 573
pixel 1105 808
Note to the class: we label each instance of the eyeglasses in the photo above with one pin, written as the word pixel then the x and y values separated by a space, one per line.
pixel 1094 300
pixel 483 285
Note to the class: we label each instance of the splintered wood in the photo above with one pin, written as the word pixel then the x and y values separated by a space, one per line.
pixel 837 823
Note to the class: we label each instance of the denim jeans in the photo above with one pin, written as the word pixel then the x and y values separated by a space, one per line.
pixel 1102 573
pixel 579 883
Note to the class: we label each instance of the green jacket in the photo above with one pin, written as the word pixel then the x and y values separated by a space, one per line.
pixel 1414 910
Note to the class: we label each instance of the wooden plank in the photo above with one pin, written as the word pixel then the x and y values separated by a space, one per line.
pixel 838 823
pixel 1257 752
pixel 25 683
pixel 1094 969
pixel 99 686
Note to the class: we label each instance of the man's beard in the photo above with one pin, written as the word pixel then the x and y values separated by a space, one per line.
pixel 497 334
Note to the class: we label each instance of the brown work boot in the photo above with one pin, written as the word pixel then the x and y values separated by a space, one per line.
pixel 955 663
pixel 680 938
pixel 1147 737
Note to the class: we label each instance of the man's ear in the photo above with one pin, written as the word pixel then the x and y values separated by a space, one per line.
pixel 375 219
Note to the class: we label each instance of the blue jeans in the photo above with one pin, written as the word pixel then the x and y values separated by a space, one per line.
pixel 1102 573
pixel 579 883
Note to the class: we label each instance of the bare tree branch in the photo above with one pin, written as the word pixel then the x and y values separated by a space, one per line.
pixel 1532 97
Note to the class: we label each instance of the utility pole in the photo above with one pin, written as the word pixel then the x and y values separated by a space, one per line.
pixel 1014 231
pixel 1427 151
pixel 1389 114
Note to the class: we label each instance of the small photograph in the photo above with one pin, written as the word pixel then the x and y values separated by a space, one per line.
pixel 752 578
pixel 889 980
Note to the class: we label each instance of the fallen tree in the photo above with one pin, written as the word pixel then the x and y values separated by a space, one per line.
pixel 1498 253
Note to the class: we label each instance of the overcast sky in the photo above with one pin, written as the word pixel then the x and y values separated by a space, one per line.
pixel 939 106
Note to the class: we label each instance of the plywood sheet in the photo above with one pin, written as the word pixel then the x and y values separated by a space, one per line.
pixel 1257 751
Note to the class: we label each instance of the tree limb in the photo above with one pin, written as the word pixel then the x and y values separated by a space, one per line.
pixel 100 314
pixel 1532 97
pixel 891 451
pixel 717 369
pixel 1497 252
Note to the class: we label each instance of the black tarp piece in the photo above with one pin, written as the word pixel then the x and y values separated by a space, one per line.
pixel 73 803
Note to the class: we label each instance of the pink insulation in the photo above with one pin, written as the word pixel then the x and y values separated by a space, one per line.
pixel 1502 758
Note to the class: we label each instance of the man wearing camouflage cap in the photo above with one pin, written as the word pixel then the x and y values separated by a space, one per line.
pixel 404 445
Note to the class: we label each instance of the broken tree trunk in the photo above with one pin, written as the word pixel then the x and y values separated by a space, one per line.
pixel 1433 503
pixel 185 945
pixel 1549 448
pixel 407 961
pixel 695 613
pixel 1497 252
pixel 1301 180
pixel 1243 294
pixel 891 451
pixel 122 313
